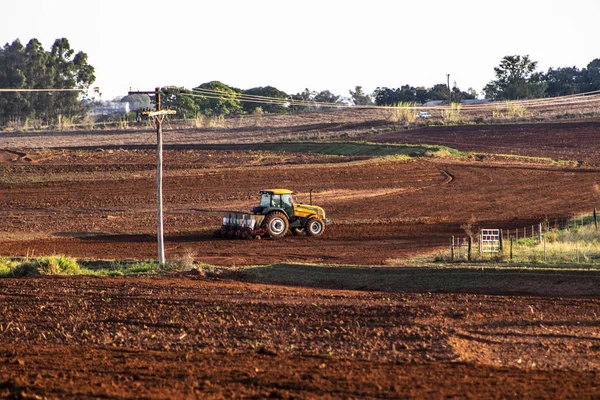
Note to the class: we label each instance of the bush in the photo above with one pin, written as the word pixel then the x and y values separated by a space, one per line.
pixel 52 265
pixel 6 266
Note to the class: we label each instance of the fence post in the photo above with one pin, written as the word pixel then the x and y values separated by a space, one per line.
pixel 595 219
pixel 469 248
pixel 501 246
pixel 511 246
pixel 545 259
pixel 452 248
pixel 539 233
pixel 577 250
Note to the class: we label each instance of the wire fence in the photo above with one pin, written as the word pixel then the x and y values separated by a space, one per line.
pixel 569 240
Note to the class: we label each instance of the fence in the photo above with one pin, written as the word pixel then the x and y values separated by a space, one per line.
pixel 565 240
pixel 461 248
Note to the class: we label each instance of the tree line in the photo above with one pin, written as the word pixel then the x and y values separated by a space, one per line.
pixel 517 78
pixel 31 66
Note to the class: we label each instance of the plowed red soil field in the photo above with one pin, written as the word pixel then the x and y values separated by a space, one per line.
pixel 573 141
pixel 102 204
pixel 191 336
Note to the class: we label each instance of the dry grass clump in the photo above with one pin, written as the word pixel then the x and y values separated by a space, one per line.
pixel 185 261
pixel 452 115
pixel 403 112
pixel 51 265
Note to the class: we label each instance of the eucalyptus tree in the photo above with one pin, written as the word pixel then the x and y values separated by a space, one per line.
pixel 32 67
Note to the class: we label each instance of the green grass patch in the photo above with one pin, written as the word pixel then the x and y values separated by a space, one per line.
pixel 63 265
pixel 574 245
pixel 6 266
pixel 51 265
pixel 122 267
pixel 526 159
pixel 344 148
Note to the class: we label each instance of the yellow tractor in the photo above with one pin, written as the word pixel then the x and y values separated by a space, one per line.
pixel 276 214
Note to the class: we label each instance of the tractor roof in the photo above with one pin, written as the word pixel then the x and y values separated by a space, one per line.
pixel 276 191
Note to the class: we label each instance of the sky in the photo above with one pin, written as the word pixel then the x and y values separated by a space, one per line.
pixel 320 45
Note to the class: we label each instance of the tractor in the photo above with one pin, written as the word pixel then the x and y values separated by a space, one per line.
pixel 276 214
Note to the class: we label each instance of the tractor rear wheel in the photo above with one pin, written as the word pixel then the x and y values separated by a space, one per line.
pixel 314 226
pixel 277 224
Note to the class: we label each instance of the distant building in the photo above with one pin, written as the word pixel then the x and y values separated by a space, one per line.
pixel 465 101
pixel 435 102
pixel 110 108
pixel 475 101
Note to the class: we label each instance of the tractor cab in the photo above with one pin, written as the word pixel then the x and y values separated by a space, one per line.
pixel 271 199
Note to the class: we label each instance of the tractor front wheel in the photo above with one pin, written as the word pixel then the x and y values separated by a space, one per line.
pixel 277 224
pixel 314 226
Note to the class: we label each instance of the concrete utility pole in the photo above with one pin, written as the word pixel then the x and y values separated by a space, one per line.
pixel 158 115
pixel 449 90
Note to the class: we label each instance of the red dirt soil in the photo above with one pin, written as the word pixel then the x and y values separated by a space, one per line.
pixel 186 336
pixel 574 141
pixel 101 205
pixel 192 337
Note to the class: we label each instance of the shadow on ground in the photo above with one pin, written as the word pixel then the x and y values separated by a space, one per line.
pixel 498 280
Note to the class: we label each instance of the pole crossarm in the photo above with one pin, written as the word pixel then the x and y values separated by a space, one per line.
pixel 141 92
pixel 158 113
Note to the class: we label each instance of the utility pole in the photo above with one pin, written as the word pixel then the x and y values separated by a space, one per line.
pixel 449 90
pixel 158 115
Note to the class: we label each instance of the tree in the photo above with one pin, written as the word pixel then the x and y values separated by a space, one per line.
pixel 218 99
pixel 307 96
pixel 515 79
pixel 269 107
pixel 422 95
pixel 458 95
pixel 563 81
pixel 180 100
pixel 472 92
pixel 591 76
pixel 31 67
pixel 326 96
pixel 13 106
pixel 70 71
pixel 136 101
pixel 386 97
pixel 359 98
pixel 438 92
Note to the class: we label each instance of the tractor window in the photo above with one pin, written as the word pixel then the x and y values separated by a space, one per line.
pixel 276 200
pixel 287 204
pixel 286 199
pixel 265 200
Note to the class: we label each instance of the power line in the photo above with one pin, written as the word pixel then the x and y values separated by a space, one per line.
pixel 217 94
pixel 573 99
pixel 4 90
